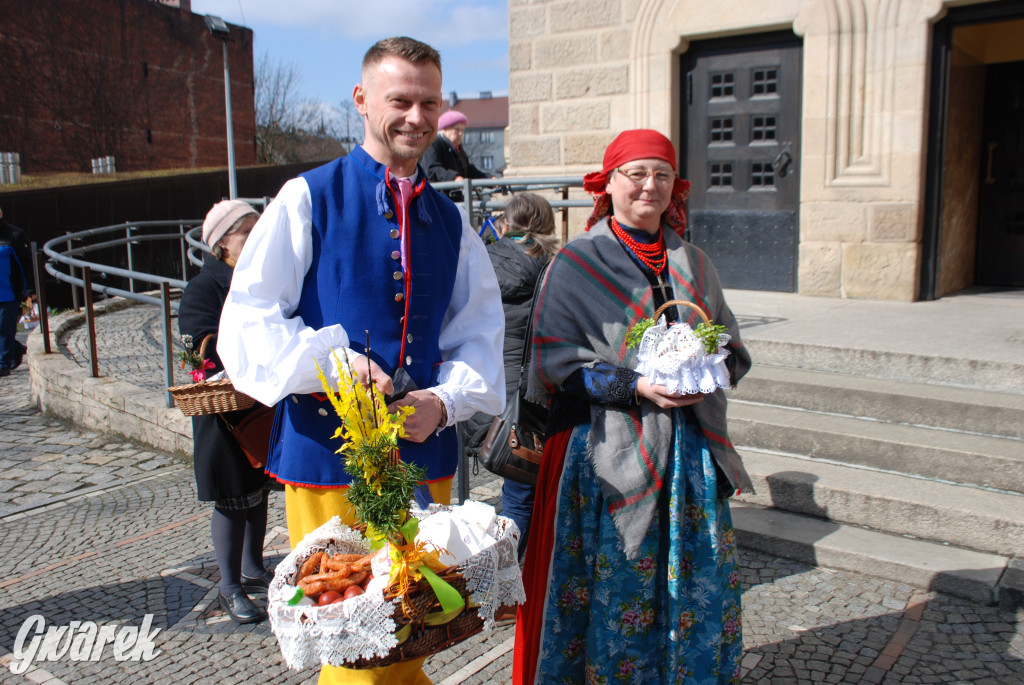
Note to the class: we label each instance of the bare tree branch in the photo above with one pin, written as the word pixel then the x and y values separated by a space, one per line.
pixel 291 127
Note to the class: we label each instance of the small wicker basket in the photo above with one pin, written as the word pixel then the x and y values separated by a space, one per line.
pixel 209 397
pixel 663 308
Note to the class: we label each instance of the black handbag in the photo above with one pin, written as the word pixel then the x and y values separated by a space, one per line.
pixel 514 443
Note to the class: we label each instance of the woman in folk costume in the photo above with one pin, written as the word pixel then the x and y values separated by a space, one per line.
pixel 632 568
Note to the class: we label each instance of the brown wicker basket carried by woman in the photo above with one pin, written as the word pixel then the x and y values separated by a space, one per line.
pixel 209 397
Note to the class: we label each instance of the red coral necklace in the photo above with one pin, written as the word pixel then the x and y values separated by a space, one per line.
pixel 652 256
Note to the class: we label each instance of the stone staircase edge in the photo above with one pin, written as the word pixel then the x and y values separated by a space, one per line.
pixel 967 516
pixel 99 404
pixel 951 371
pixel 963 573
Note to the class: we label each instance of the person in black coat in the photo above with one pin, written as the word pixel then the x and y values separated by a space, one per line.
pixel 526 245
pixel 223 473
pixel 446 159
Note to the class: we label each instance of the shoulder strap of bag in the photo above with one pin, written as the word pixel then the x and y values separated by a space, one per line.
pixel 527 341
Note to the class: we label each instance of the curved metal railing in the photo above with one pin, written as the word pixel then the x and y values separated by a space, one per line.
pixel 481 196
pixel 72 257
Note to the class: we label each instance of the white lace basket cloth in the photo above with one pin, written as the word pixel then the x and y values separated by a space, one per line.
pixel 674 356
pixel 362 627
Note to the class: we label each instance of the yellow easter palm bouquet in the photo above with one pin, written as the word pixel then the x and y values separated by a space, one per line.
pixel 382 484
pixel 412 603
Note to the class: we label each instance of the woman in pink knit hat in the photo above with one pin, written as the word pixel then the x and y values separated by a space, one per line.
pixel 445 159
pixel 224 475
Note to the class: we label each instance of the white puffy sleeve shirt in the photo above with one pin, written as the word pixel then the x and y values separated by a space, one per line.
pixel 269 354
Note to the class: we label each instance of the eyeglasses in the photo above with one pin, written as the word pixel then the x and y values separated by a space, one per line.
pixel 640 176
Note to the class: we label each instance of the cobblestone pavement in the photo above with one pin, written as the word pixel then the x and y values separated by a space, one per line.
pixel 123 536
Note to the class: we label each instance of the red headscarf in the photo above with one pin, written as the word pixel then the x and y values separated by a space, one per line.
pixel 628 146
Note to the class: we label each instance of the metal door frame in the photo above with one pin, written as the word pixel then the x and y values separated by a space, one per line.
pixel 938 117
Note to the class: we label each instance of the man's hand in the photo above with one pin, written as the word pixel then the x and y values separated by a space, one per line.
pixel 660 395
pixel 365 367
pixel 422 423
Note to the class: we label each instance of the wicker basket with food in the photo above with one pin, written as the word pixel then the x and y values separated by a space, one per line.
pixel 405 582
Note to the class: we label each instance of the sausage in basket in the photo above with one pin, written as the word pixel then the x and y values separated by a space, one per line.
pixel 310 566
pixel 322 582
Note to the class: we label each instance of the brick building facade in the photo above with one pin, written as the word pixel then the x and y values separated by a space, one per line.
pixel 140 80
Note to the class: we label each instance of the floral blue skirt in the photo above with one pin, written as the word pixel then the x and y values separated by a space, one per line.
pixel 672 615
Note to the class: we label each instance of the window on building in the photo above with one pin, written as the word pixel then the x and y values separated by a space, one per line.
pixel 765 81
pixel 487 161
pixel 486 136
pixel 762 129
pixel 720 176
pixel 721 130
pixel 722 84
pixel 761 175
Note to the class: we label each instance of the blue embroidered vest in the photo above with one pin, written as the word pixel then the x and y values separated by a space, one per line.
pixel 356 279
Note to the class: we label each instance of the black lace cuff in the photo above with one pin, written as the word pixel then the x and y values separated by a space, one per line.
pixel 604 383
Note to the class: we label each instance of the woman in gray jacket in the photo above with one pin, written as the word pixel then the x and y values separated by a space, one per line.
pixel 527 243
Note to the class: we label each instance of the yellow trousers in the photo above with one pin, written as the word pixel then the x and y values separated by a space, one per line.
pixel 309 508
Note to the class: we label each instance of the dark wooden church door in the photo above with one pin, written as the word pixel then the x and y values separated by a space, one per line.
pixel 1001 221
pixel 741 129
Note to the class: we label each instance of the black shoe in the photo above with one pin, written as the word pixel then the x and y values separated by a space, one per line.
pixel 18 356
pixel 5 372
pixel 258 583
pixel 241 609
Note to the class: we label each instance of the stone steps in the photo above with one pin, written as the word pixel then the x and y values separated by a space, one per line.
pixel 940 406
pixel 974 518
pixel 980 577
pixel 1001 376
pixel 969 458
pixel 917 482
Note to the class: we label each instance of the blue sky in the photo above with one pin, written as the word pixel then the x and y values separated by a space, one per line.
pixel 326 39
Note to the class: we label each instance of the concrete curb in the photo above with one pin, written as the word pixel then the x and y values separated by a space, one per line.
pixel 64 389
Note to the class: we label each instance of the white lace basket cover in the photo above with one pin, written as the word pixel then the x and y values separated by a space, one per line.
pixel 674 356
pixel 362 627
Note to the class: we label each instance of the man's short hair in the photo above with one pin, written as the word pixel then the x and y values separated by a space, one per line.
pixel 409 49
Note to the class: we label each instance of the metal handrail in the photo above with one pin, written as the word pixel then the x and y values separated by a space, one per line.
pixel 69 256
pixel 514 185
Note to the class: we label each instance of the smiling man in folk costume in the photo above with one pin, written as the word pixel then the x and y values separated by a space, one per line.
pixel 365 244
